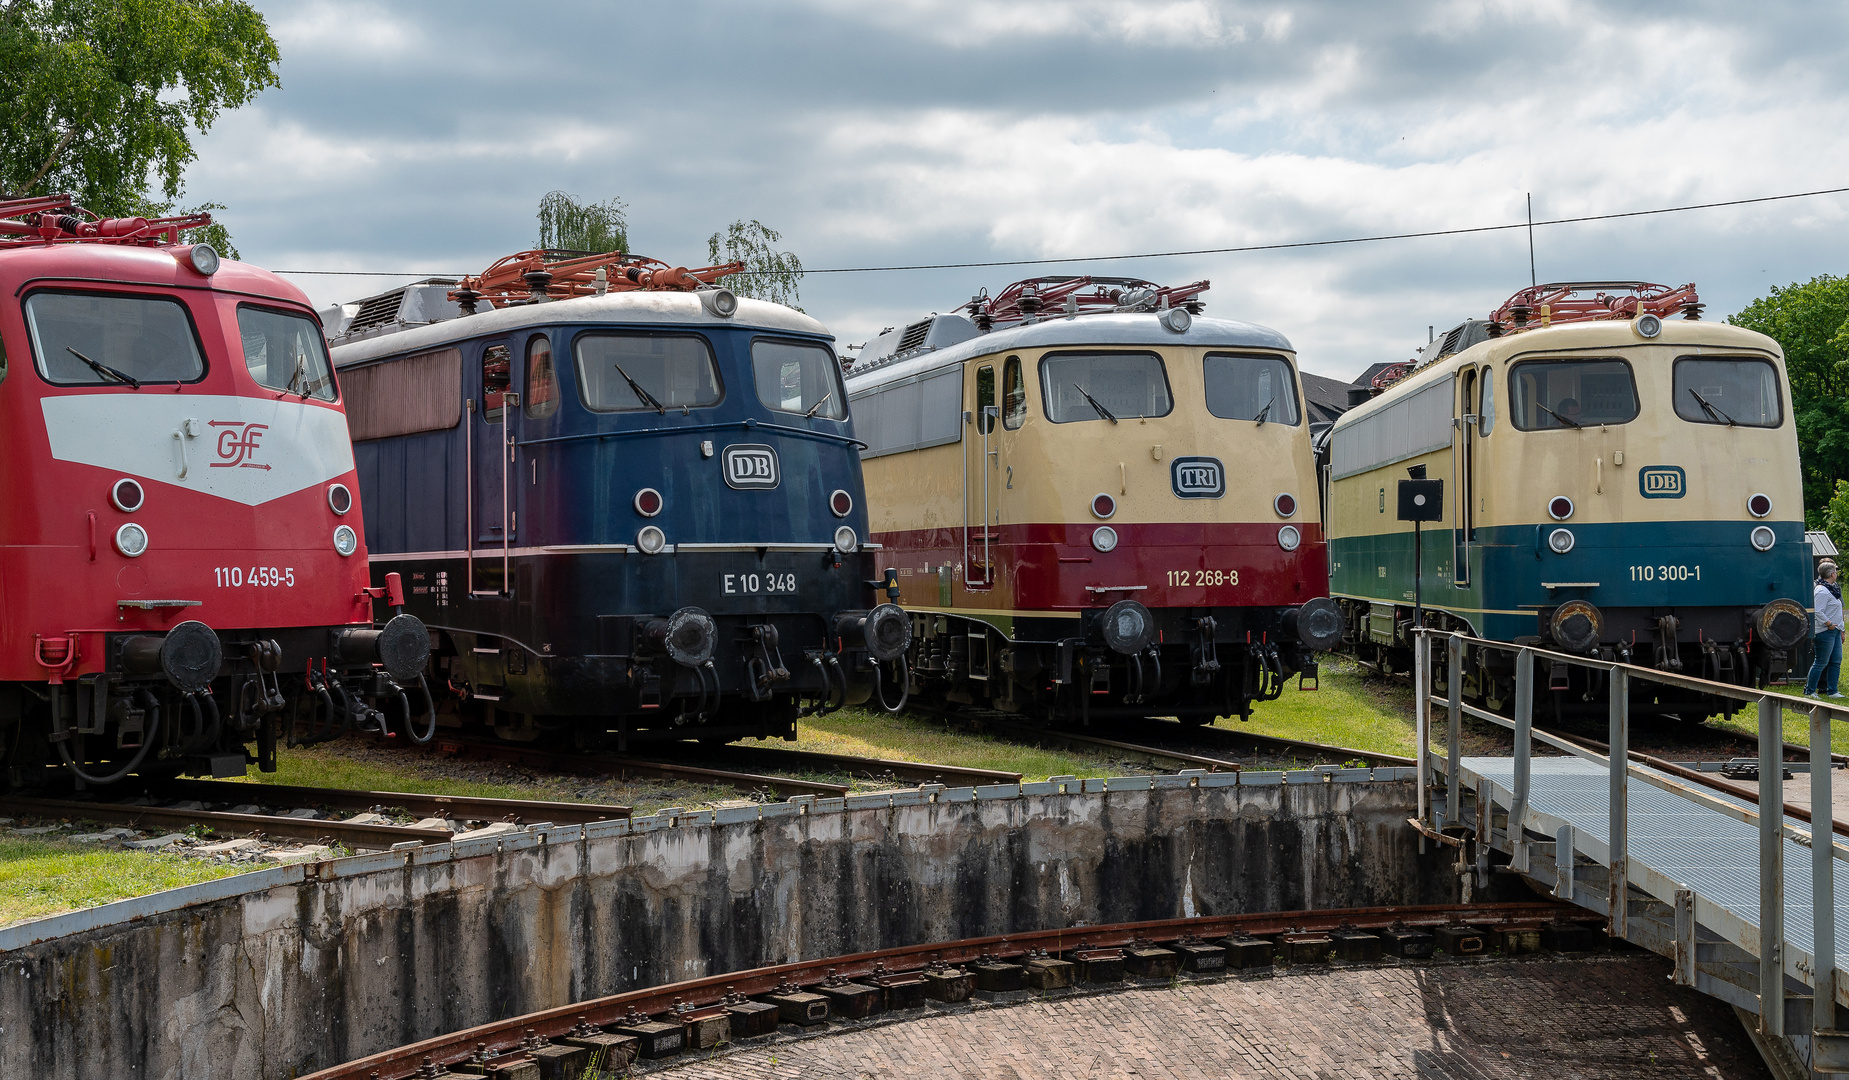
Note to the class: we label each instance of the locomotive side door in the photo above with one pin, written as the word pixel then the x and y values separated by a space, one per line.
pixel 1467 431
pixel 491 530
pixel 979 455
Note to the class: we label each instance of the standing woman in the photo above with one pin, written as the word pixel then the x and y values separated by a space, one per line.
pixel 1828 626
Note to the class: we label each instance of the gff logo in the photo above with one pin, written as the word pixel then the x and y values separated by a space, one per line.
pixel 238 443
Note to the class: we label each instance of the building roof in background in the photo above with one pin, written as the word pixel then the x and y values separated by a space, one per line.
pixel 1324 399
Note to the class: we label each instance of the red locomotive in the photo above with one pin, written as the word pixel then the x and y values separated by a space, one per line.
pixel 182 566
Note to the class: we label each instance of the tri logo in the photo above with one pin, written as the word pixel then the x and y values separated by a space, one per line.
pixel 750 467
pixel 1197 477
pixel 1662 482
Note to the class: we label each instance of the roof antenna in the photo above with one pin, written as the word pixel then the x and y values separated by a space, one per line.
pixel 1532 280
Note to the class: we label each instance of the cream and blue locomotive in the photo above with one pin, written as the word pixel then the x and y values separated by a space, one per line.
pixel 1617 484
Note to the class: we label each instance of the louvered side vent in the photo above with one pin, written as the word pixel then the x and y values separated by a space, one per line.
pixel 913 337
pixel 376 312
pixel 1452 338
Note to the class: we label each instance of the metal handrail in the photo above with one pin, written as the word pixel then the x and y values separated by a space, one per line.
pixel 1769 816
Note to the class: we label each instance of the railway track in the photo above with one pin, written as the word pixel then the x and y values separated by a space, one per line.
pixel 609 765
pixel 892 972
pixel 1237 743
pixel 185 804
pixel 923 772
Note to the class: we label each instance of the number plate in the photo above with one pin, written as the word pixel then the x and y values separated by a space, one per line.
pixel 262 577
pixel 758 583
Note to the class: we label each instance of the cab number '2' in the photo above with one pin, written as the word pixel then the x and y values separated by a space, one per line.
pixel 749 584
pixel 1203 577
pixel 236 577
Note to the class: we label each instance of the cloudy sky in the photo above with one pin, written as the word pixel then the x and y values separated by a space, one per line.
pixel 421 137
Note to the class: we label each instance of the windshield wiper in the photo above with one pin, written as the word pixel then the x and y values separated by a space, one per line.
pixel 811 413
pixel 642 395
pixel 105 369
pixel 1102 411
pixel 301 369
pixel 1266 411
pixel 1711 410
pixel 1557 416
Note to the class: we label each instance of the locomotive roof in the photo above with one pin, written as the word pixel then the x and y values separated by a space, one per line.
pixel 1130 328
pixel 98 264
pixel 638 306
pixel 1568 337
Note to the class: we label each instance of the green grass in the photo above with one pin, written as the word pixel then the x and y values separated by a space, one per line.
pixel 1796 720
pixel 49 877
pixel 1349 710
pixel 328 766
pixel 916 738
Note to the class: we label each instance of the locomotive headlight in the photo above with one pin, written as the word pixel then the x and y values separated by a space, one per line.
pixel 846 539
pixel 1763 538
pixel 1104 538
pixel 1289 537
pixel 1648 326
pixel 131 540
pixel 840 504
pixel 1759 505
pixel 205 259
pixel 1560 540
pixel 651 540
pixel 1560 508
pixel 1177 320
pixel 346 541
pixel 719 302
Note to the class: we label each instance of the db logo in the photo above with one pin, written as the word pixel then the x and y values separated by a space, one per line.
pixel 750 466
pixel 1197 478
pixel 238 443
pixel 1662 482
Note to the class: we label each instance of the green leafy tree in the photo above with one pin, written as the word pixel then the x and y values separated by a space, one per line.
pixel 565 224
pixel 1810 322
pixel 101 98
pixel 769 274
pixel 1836 516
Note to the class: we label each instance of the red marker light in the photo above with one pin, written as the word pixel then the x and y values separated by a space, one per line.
pixel 1103 505
pixel 1285 504
pixel 648 502
pixel 1561 508
pixel 1760 505
pixel 841 503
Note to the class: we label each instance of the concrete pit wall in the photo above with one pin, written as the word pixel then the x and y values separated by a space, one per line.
pixel 296 968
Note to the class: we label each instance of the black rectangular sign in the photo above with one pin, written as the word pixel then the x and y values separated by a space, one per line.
pixel 1422 500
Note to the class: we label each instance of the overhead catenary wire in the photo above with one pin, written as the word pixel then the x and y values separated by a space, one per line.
pixel 1529 224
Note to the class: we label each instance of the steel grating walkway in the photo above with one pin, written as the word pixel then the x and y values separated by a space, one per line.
pixel 1674 843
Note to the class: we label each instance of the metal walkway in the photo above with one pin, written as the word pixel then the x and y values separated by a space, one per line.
pixel 1690 872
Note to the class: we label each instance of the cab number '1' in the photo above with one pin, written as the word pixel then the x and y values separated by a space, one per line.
pixel 749 584
pixel 1203 577
pixel 236 577
pixel 1665 573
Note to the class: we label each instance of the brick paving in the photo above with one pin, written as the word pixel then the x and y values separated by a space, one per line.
pixel 1557 1019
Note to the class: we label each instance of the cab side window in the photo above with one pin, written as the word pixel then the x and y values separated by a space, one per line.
pixel 497 375
pixel 542 383
pixel 1014 394
pixel 985 398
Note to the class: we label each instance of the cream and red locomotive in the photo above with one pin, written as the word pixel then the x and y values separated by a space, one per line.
pixel 1095 502
pixel 181 566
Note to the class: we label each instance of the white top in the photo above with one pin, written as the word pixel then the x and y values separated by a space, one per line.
pixel 1829 610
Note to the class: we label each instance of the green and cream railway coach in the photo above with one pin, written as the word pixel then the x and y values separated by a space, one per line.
pixel 1620 487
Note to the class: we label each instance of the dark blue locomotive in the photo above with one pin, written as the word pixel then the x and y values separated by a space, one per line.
pixel 630 516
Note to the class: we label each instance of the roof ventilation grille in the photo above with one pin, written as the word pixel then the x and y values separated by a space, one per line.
pixel 377 311
pixel 913 337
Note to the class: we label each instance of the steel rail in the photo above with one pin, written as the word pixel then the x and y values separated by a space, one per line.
pixel 1233 737
pixel 367 836
pixel 1023 733
pixel 453 807
pixel 505 1035
pixel 611 765
pixel 855 765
